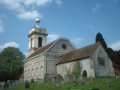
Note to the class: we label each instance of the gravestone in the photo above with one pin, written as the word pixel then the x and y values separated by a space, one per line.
pixel 27 85
pixel 94 89
pixel 32 81
pixel 1 85
pixel 6 85
pixel 81 77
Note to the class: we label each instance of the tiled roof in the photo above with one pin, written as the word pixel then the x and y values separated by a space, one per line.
pixel 40 50
pixel 78 54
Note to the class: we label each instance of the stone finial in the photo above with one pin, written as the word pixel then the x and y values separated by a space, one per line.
pixel 37 20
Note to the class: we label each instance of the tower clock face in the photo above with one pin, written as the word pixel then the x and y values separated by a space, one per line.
pixel 64 46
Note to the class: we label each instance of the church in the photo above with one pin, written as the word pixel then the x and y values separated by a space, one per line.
pixel 60 56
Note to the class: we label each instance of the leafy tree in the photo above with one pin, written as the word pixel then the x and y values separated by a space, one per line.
pixel 110 50
pixel 11 60
pixel 99 38
pixel 77 70
pixel 114 55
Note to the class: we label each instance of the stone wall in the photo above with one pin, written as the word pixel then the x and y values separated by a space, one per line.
pixel 34 68
pixel 58 48
pixel 47 60
pixel 90 65
pixel 54 54
pixel 67 68
pixel 107 69
pixel 86 66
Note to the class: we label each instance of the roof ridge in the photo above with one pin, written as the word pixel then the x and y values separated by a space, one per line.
pixel 90 45
pixel 83 47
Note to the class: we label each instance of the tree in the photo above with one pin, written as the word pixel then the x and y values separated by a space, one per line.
pixel 99 38
pixel 110 50
pixel 77 70
pixel 11 60
pixel 114 55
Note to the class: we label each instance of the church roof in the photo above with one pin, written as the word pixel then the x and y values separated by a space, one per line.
pixel 41 49
pixel 79 54
pixel 44 48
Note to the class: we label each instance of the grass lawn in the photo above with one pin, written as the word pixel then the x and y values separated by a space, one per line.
pixel 101 83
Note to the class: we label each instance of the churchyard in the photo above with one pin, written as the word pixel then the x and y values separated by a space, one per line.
pixel 86 84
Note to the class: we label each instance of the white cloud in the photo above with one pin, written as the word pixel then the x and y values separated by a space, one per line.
pixel 1 27
pixel 37 2
pixel 9 44
pixel 52 37
pixel 58 2
pixel 20 4
pixel 21 7
pixel 77 40
pixel 29 15
pixel 97 7
pixel 14 5
pixel 115 45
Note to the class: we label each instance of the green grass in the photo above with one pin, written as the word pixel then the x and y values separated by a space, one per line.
pixel 96 83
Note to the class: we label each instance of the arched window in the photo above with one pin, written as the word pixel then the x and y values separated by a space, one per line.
pixel 32 72
pixel 31 43
pixel 29 73
pixel 39 42
pixel 101 61
pixel 84 73
pixel 36 70
pixel 41 70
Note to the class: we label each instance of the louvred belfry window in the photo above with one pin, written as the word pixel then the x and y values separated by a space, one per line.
pixel 39 42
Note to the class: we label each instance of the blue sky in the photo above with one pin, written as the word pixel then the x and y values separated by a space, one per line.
pixel 77 20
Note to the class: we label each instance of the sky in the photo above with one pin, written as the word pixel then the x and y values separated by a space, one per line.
pixel 77 20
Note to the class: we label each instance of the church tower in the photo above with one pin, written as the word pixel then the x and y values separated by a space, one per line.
pixel 37 37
